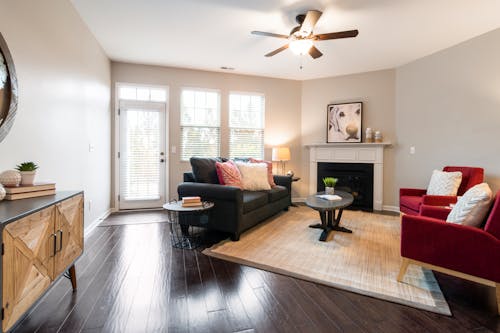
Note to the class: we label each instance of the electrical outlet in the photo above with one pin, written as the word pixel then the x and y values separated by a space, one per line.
pixel 412 150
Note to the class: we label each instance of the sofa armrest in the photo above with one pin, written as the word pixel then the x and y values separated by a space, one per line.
pixel 210 191
pixel 412 191
pixel 438 200
pixel 461 248
pixel 285 181
pixel 188 177
pixel 440 213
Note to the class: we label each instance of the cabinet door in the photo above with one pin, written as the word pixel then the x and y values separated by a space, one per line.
pixel 28 265
pixel 69 231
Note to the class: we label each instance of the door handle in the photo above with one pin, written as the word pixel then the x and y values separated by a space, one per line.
pixel 60 232
pixel 54 243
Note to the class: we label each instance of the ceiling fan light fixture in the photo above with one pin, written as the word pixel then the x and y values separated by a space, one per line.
pixel 301 46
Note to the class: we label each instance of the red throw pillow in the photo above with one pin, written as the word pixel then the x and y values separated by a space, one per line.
pixel 270 177
pixel 228 174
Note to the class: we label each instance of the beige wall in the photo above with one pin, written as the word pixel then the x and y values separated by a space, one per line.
pixel 282 107
pixel 64 82
pixel 448 107
pixel 376 91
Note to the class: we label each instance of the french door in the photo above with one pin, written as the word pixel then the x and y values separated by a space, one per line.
pixel 142 158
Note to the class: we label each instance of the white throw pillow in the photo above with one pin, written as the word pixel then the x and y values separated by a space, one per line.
pixel 254 176
pixel 472 207
pixel 444 183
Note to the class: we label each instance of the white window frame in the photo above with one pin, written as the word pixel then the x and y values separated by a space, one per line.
pixel 116 145
pixel 248 93
pixel 180 117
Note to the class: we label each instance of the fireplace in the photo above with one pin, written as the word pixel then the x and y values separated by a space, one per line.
pixel 351 154
pixel 355 178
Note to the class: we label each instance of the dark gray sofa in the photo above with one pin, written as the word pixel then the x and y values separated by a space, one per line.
pixel 237 210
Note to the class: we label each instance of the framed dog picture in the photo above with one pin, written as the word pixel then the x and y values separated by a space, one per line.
pixel 344 122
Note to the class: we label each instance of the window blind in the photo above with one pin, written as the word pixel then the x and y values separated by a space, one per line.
pixel 246 125
pixel 200 123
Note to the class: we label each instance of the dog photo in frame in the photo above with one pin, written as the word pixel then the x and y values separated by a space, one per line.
pixel 344 122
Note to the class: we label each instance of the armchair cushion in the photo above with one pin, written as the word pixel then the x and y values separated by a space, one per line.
pixel 438 200
pixel 412 202
pixel 472 207
pixel 444 183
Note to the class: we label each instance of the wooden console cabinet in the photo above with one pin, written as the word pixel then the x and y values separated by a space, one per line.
pixel 41 239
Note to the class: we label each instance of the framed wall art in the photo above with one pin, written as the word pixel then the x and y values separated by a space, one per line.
pixel 8 89
pixel 344 122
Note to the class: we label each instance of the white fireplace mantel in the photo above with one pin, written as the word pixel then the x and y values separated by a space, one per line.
pixel 350 153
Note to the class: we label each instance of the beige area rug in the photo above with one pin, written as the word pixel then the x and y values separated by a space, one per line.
pixel 365 262
pixel 139 217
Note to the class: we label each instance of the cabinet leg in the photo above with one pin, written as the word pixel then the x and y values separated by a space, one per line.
pixel 72 276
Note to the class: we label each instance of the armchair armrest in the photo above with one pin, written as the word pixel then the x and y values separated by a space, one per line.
pixel 461 248
pixel 440 213
pixel 438 200
pixel 210 191
pixel 412 191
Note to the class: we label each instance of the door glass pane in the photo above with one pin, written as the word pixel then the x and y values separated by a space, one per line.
pixel 140 156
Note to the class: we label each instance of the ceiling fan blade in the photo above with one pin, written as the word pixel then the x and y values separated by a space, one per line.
pixel 307 26
pixel 269 34
pixel 314 52
pixel 336 35
pixel 283 48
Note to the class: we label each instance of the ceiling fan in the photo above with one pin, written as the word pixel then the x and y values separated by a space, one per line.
pixel 301 37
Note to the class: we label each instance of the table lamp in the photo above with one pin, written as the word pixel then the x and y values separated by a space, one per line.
pixel 281 155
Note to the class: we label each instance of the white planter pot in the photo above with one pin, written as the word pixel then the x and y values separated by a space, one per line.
pixel 27 177
pixel 329 190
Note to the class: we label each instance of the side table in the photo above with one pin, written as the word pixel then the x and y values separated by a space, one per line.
pixel 179 233
pixel 294 179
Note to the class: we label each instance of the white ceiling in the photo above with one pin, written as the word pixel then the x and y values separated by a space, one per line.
pixel 208 34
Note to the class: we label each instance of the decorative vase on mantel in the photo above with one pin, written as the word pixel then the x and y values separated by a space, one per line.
pixel 329 190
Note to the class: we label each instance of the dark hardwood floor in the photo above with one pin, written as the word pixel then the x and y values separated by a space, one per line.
pixel 131 280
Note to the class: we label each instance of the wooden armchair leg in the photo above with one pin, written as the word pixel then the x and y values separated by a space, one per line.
pixel 498 298
pixel 402 270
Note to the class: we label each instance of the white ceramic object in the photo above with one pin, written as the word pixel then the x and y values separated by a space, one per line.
pixel 10 178
pixel 28 177
pixel 2 193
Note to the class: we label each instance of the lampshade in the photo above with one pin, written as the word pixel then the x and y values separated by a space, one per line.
pixel 300 46
pixel 281 154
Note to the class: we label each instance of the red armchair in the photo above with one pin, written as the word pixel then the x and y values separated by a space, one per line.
pixel 410 199
pixel 463 251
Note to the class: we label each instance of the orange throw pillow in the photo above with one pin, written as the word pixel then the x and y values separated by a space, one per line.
pixel 270 177
pixel 228 174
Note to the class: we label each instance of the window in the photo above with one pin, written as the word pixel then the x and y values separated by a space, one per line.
pixel 200 123
pixel 246 125
pixel 138 93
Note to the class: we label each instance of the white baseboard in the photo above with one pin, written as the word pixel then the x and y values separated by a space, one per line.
pixel 390 208
pixel 96 222
pixel 298 199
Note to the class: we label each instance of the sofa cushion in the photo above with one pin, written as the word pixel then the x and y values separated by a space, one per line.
pixel 472 207
pixel 204 169
pixel 228 174
pixel 444 183
pixel 277 193
pixel 410 201
pixel 254 176
pixel 269 164
pixel 253 200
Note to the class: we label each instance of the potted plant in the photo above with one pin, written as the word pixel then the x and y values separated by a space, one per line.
pixel 28 172
pixel 329 184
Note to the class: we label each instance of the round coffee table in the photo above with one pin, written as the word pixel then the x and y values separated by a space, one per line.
pixel 326 209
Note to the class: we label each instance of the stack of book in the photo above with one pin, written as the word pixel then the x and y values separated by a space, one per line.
pixel 30 191
pixel 191 202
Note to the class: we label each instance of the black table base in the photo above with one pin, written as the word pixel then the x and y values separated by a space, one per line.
pixel 329 222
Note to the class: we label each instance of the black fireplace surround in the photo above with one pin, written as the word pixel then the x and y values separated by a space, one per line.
pixel 355 178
